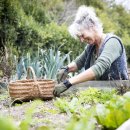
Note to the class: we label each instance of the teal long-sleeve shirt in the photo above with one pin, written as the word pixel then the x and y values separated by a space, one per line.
pixel 110 53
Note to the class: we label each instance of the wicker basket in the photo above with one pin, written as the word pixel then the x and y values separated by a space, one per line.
pixel 31 88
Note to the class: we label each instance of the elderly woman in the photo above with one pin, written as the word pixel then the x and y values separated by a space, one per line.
pixel 104 57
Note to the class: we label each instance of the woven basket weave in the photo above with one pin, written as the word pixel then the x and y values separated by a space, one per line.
pixel 31 88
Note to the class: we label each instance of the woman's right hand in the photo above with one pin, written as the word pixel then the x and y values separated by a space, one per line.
pixel 62 74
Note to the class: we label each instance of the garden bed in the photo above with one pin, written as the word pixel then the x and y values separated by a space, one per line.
pixel 72 110
pixel 43 113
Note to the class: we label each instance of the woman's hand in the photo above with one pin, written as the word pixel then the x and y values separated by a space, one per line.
pixel 59 88
pixel 62 74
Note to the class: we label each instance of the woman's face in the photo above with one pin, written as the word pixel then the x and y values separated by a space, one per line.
pixel 89 36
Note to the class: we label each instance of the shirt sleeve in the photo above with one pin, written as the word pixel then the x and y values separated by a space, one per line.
pixel 80 60
pixel 110 53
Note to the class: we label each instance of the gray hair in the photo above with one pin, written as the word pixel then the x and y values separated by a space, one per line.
pixel 85 19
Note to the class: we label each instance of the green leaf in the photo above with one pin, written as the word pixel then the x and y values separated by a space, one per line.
pixel 43 128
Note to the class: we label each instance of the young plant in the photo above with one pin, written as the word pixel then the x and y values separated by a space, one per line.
pixel 25 124
pixel 6 123
pixel 85 121
pixel 68 106
pixel 94 95
pixel 114 112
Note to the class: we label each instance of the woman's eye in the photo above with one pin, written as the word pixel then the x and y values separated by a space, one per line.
pixel 88 39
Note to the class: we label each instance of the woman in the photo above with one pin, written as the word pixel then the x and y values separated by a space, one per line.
pixel 104 57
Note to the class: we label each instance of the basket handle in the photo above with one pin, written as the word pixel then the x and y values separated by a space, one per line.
pixel 30 69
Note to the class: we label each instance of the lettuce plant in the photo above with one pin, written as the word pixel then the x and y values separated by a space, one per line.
pixel 114 112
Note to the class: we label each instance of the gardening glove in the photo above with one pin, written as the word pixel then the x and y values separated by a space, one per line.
pixel 60 88
pixel 62 74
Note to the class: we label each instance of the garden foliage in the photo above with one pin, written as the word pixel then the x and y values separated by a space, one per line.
pixel 44 62
pixel 114 112
pixel 28 24
pixel 108 112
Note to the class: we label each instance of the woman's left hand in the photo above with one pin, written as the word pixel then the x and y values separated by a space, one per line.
pixel 59 88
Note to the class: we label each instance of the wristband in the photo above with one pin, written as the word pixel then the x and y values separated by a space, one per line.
pixel 66 68
pixel 67 83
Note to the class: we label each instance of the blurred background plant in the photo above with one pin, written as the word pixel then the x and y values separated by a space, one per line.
pixel 27 25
